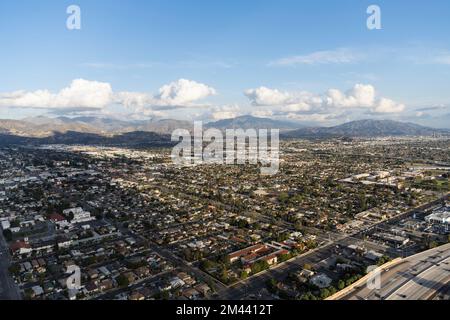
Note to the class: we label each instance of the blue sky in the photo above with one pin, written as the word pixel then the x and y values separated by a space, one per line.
pixel 212 59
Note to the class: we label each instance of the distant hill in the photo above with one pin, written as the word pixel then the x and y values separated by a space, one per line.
pixel 45 127
pixel 165 126
pixel 250 122
pixel 366 128
pixel 130 139
pixel 162 126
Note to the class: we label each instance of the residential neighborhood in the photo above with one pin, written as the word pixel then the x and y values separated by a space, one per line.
pixel 139 227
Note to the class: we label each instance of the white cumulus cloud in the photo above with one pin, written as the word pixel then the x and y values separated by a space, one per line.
pixel 80 94
pixel 183 92
pixel 388 106
pixel 134 100
pixel 361 96
pixel 225 112
pixel 288 102
pixel 178 94
pixel 263 96
pixel 84 95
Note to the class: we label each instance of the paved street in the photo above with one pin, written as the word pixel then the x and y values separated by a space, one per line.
pixel 8 289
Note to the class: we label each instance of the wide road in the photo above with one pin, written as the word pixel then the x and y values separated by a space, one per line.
pixel 8 288
pixel 419 277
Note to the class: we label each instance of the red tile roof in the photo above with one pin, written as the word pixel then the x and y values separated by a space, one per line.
pixel 56 217
pixel 19 245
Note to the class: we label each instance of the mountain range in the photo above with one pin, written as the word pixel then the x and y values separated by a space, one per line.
pixel 45 127
pixel 106 131
pixel 366 128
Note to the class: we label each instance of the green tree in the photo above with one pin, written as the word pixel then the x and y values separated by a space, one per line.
pixel 122 281
pixel 264 265
pixel 284 257
pixel 256 268
pixel 433 244
pixel 224 275
pixel 8 235
pixel 332 290
pixel 307 266
pixel 14 269
pixel 206 265
pixel 15 224
pixel 283 197
pixel 324 293
pixel 362 202
pixel 272 285
pixel 165 295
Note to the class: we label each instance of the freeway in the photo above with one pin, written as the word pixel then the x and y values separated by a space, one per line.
pixel 8 288
pixel 419 277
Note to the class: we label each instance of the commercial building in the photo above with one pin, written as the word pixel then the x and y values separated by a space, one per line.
pixel 440 217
